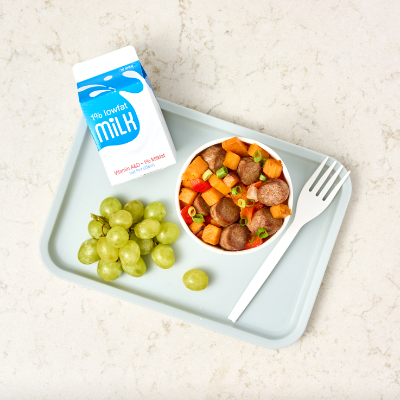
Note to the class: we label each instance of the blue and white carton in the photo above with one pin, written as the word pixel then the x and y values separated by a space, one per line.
pixel 123 115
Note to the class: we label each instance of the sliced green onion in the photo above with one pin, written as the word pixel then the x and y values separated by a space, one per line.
pixel 207 175
pixel 243 221
pixel 262 233
pixel 236 190
pixel 252 237
pixel 222 172
pixel 198 218
pixel 262 178
pixel 192 211
pixel 257 156
pixel 250 202
pixel 263 161
pixel 242 203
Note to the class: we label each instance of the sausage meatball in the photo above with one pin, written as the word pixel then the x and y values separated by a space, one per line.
pixel 249 171
pixel 225 212
pixel 234 237
pixel 214 156
pixel 273 192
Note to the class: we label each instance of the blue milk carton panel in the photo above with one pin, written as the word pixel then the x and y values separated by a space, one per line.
pixel 123 116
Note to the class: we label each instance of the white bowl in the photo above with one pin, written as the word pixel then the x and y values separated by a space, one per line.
pixel 214 248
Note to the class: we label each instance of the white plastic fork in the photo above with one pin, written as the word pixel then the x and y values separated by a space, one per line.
pixel 309 205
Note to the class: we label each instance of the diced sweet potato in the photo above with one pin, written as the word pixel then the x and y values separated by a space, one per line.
pixel 187 195
pixel 255 147
pixel 243 212
pixel 273 168
pixel 231 180
pixel 212 196
pixel 186 183
pixel 232 160
pixel 280 211
pixel 235 145
pixel 196 169
pixel 197 228
pixel 242 195
pixel 211 234
pixel 218 184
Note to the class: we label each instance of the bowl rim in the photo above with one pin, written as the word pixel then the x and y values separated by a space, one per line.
pixel 209 246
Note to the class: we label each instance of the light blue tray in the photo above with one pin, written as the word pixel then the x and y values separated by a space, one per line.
pixel 277 316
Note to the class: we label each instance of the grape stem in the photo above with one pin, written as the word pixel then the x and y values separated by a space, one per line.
pixel 103 221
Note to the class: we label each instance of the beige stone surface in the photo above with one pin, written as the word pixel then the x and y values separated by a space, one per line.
pixel 321 74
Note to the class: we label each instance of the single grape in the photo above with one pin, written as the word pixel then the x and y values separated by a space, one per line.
pixel 130 253
pixel 132 236
pixel 195 279
pixel 106 251
pixel 145 245
pixel 147 229
pixel 109 206
pixel 136 209
pixel 87 253
pixel 155 210
pixel 163 256
pixel 109 271
pixel 118 237
pixel 96 229
pixel 121 218
pixel 169 232
pixel 137 270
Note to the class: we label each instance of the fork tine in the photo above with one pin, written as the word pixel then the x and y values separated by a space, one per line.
pixel 314 176
pixel 323 178
pixel 337 187
pixel 331 181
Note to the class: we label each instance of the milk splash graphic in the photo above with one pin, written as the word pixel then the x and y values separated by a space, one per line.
pixel 123 116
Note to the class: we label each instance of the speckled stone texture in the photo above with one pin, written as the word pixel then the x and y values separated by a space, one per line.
pixel 321 74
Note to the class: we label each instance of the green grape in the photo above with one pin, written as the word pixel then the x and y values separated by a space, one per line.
pixel 137 270
pixel 163 256
pixel 130 253
pixel 121 218
pixel 136 209
pixel 109 206
pixel 132 236
pixel 106 251
pixel 155 210
pixel 87 253
pixel 147 229
pixel 195 279
pixel 168 234
pixel 109 271
pixel 96 229
pixel 118 237
pixel 145 245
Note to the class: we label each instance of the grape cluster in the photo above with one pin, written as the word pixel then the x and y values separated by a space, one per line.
pixel 121 235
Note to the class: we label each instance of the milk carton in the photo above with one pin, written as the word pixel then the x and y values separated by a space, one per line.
pixel 123 115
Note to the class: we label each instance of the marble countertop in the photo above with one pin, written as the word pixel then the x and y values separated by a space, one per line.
pixel 323 75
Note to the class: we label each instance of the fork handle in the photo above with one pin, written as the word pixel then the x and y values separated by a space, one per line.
pixel 265 270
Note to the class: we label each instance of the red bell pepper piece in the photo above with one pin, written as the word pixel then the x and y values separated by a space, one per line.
pixel 185 214
pixel 207 220
pixel 199 185
pixel 255 243
pixel 248 212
